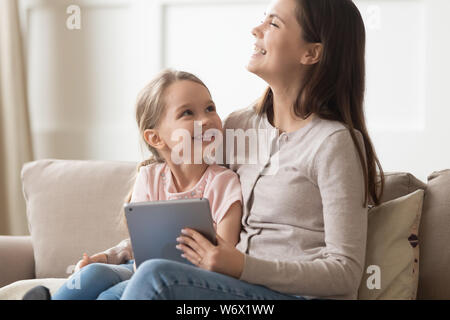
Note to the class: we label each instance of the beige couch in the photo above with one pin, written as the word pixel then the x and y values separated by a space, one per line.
pixel 75 207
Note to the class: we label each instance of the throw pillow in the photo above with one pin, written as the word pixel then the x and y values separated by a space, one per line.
pixel 392 255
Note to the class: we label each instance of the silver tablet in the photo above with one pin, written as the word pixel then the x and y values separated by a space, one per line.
pixel 155 225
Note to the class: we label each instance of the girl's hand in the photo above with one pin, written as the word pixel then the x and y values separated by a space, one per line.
pixel 222 258
pixel 96 258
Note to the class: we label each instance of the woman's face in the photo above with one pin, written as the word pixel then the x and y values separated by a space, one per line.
pixel 279 45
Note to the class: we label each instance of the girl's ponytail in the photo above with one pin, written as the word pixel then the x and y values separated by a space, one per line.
pixel 122 218
pixel 139 166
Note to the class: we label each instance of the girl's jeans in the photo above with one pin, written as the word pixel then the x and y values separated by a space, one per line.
pixel 159 279
pixel 96 281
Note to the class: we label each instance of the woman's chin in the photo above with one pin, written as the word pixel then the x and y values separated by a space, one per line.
pixel 253 68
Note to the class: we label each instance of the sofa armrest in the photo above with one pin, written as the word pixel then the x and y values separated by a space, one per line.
pixel 17 259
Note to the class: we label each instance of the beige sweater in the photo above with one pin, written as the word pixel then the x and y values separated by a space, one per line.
pixel 304 225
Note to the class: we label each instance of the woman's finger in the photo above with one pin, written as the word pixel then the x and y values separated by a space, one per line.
pixel 191 243
pixel 189 254
pixel 199 238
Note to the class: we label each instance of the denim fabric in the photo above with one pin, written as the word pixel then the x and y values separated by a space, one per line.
pixel 96 280
pixel 159 279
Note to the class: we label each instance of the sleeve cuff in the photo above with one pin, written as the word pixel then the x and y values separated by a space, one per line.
pixel 254 268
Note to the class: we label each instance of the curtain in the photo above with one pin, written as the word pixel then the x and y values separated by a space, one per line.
pixel 15 137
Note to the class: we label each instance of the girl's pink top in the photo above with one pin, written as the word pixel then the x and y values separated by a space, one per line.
pixel 218 184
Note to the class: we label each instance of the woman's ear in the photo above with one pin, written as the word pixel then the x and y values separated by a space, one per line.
pixel 152 137
pixel 313 54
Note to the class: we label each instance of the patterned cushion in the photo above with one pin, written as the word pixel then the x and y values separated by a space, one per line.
pixel 391 270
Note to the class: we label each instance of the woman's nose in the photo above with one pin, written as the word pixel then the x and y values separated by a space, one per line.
pixel 257 32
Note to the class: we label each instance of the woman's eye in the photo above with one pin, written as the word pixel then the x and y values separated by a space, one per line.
pixel 273 24
pixel 211 108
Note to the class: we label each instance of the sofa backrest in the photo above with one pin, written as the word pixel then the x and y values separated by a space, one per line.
pixel 434 239
pixel 76 206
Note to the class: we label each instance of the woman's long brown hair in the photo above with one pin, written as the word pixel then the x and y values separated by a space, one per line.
pixel 334 88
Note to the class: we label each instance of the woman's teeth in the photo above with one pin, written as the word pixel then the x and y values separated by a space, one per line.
pixel 259 50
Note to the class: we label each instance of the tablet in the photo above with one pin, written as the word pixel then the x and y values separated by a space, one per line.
pixel 154 226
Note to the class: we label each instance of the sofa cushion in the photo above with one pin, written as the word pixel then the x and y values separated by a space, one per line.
pixel 74 207
pixel 434 277
pixel 16 290
pixel 391 270
pixel 399 184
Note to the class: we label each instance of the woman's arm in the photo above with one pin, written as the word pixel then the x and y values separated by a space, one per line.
pixel 338 268
pixel 229 227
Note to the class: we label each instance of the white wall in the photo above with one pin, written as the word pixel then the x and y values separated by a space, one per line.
pixel 407 94
pixel 82 83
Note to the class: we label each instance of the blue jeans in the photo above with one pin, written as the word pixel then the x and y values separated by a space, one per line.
pixel 96 281
pixel 159 279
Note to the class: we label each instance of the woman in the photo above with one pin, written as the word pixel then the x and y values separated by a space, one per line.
pixel 304 227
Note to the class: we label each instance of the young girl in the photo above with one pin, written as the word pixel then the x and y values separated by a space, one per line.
pixel 173 100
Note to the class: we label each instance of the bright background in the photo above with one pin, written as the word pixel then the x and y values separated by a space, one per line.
pixel 82 83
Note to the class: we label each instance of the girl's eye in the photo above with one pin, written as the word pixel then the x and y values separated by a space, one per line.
pixel 186 113
pixel 211 108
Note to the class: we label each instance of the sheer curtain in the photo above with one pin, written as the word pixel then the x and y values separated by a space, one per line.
pixel 15 139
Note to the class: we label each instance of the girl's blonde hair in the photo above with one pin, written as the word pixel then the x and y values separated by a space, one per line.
pixel 150 106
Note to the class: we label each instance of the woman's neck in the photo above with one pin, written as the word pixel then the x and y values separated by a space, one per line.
pixel 186 176
pixel 284 99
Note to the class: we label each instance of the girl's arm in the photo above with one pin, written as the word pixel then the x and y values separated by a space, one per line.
pixel 229 228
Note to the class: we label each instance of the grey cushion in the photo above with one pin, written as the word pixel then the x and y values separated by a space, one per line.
pixel 434 237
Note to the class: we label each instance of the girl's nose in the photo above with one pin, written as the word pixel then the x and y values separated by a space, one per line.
pixel 206 122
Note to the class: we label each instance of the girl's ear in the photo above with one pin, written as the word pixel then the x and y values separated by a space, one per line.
pixel 151 136
pixel 313 54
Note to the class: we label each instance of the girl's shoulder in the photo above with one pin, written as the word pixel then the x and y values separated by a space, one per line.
pixel 218 172
pixel 153 169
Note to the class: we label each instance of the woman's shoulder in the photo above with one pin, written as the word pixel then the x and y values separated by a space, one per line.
pixel 332 138
pixel 241 119
pixel 326 129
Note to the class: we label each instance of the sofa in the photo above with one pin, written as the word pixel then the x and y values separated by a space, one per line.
pixel 75 206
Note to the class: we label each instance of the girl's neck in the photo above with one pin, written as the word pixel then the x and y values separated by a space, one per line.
pixel 186 176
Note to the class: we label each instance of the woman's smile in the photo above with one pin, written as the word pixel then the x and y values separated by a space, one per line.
pixel 258 51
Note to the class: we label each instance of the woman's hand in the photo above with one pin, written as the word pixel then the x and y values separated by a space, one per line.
pixel 96 258
pixel 222 258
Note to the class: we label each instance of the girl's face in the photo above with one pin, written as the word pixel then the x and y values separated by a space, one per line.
pixel 188 102
pixel 279 46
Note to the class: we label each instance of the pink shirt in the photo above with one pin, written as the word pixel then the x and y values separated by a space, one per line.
pixel 218 184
